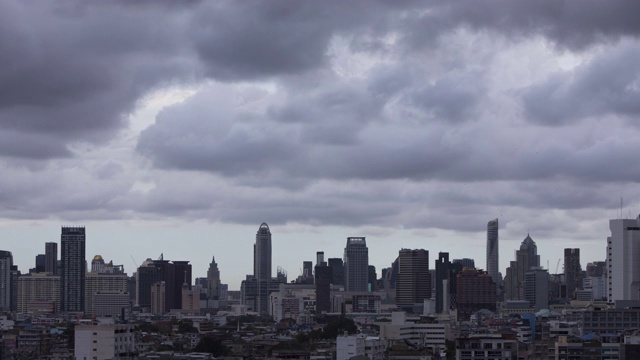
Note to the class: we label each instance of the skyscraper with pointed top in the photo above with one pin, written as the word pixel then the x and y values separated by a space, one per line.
pixel 213 280
pixel 493 262
pixel 262 267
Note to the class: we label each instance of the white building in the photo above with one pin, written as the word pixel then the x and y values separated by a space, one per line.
pixel 432 336
pixel 623 260
pixel 348 346
pixel 97 342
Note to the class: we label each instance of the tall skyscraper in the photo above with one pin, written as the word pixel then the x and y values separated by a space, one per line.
pixel 213 280
pixel 356 264
pixel 337 271
pixel 51 258
pixel 442 281
pixel 623 260
pixel 262 267
pixel 6 262
pixel 413 285
pixel 493 257
pixel 572 271
pixel 73 268
pixel 323 285
pixel 531 248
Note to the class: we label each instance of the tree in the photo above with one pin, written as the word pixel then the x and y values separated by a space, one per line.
pixel 337 326
pixel 212 346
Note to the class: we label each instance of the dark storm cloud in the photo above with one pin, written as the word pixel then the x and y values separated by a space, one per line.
pixel 607 85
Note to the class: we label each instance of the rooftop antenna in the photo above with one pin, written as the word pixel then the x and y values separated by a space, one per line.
pixel 620 207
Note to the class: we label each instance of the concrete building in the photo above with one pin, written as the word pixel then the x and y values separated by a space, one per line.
pixel 536 288
pixel 73 268
pixel 432 336
pixel 493 256
pixel 323 287
pixel 262 268
pixel 146 275
pixel 115 304
pixel 158 297
pixel 356 264
pixel 337 271
pixel 6 263
pixel 101 282
pixel 475 291
pixel 623 260
pixel 39 291
pixel 102 342
pixel 572 271
pixel 348 346
pixel 51 258
pixel 213 280
pixel 413 284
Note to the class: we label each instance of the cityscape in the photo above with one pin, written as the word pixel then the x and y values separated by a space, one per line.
pixel 454 309
pixel 319 180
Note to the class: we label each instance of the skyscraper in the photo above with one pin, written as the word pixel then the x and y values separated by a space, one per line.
pixel 356 264
pixel 262 267
pixel 442 281
pixel 493 263
pixel 51 258
pixel 475 291
pixel 337 271
pixel 6 262
pixel 213 280
pixel 323 285
pixel 572 271
pixel 531 248
pixel 413 285
pixel 623 260
pixel 73 268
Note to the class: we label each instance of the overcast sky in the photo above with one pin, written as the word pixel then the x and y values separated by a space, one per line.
pixel 179 127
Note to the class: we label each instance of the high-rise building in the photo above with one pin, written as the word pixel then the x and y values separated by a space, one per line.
pixel 51 258
pixel 623 260
pixel 493 256
pixel 413 285
pixel 40 263
pixel 323 287
pixel 213 280
pixel 97 282
pixel 536 288
pixel 73 260
pixel 39 291
pixel 262 267
pixel 157 298
pixel 475 291
pixel 147 275
pixel 531 248
pixel 372 277
pixel 173 273
pixel 6 263
pixel 442 281
pixel 337 271
pixel 356 264
pixel 465 262
pixel 572 271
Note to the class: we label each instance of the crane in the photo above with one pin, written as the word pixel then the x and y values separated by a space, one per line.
pixel 557 265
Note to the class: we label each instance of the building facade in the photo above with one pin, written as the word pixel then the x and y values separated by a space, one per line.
pixel 6 263
pixel 493 256
pixel 413 285
pixel 356 264
pixel 73 260
pixel 262 268
pixel 623 260
pixel 51 258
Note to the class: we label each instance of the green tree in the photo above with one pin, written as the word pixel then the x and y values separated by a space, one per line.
pixel 337 326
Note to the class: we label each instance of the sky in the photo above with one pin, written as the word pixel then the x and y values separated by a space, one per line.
pixel 177 128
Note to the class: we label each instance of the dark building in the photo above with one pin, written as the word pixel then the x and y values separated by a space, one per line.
pixel 262 267
pixel 465 262
pixel 475 291
pixel 372 278
pixel 146 276
pixel 596 269
pixel 173 274
pixel 6 263
pixel 182 271
pixel 356 264
pixel 572 271
pixel 73 259
pixel 40 263
pixel 51 258
pixel 442 280
pixel 414 280
pixel 323 288
pixel 337 271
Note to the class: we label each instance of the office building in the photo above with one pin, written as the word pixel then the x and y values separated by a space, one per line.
pixel 356 264
pixel 529 246
pixel 6 263
pixel 372 278
pixel 572 271
pixel 536 288
pixel 213 280
pixel 323 287
pixel 337 271
pixel 465 262
pixel 38 292
pixel 158 298
pixel 100 283
pixel 475 291
pixel 493 256
pixel 51 258
pixel 173 274
pixel 262 268
pixel 147 275
pixel 40 263
pixel 623 260
pixel 442 282
pixel 73 260
pixel 115 304
pixel 413 285
pixel 104 342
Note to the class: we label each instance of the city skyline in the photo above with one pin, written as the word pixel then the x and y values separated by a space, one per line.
pixel 410 124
